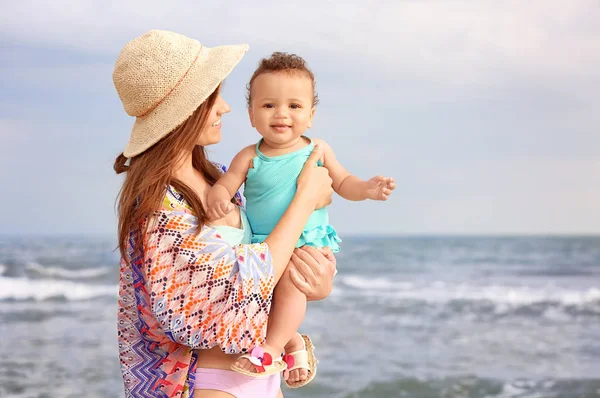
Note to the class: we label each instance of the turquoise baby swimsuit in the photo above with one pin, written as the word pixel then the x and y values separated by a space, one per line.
pixel 270 188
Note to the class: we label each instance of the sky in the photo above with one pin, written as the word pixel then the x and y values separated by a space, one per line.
pixel 485 113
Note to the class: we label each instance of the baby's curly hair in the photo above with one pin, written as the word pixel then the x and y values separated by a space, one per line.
pixel 280 61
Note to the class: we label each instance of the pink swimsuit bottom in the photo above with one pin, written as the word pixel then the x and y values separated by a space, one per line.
pixel 237 384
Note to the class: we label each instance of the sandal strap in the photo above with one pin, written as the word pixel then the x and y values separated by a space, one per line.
pixel 278 365
pixel 300 360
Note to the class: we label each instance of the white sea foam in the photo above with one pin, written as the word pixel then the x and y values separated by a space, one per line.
pixel 63 273
pixel 28 289
pixel 525 389
pixel 440 292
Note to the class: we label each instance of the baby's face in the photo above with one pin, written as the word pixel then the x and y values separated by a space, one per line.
pixel 282 107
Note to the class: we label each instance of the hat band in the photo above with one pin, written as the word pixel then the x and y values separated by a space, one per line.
pixel 174 87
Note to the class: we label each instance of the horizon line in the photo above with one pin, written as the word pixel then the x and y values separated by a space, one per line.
pixel 354 235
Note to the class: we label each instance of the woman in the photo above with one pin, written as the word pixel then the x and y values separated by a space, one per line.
pixel 190 295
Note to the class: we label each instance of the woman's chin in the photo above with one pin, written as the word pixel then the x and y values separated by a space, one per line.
pixel 210 138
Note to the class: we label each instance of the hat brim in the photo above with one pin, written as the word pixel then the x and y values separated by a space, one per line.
pixel 213 65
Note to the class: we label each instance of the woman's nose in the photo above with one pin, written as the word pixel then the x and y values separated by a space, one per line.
pixel 223 107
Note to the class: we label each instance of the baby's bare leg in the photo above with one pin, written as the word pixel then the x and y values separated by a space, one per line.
pixel 297 343
pixel 287 312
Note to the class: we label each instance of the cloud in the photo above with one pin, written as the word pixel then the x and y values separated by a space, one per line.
pixel 427 51
pixel 450 41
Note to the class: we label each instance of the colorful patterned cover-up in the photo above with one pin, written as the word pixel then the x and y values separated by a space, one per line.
pixel 183 293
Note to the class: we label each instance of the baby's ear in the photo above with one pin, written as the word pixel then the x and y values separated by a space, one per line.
pixel 250 114
pixel 312 115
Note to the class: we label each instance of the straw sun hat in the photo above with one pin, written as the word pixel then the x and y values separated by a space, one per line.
pixel 163 77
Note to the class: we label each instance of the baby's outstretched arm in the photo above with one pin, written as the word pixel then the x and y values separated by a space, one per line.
pixel 219 196
pixel 351 187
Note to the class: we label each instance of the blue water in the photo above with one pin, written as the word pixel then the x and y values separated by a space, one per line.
pixel 408 317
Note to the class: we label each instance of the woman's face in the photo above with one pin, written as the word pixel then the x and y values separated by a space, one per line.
pixel 211 134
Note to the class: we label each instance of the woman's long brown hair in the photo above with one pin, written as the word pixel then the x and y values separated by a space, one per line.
pixel 149 173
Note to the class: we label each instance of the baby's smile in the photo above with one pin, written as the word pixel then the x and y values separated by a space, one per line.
pixel 280 127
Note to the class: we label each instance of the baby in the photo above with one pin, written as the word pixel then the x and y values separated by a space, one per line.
pixel 281 106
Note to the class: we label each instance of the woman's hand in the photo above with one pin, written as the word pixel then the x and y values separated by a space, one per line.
pixel 314 183
pixel 312 271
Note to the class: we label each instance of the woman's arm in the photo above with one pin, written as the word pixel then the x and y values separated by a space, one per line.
pixel 314 191
pixel 219 196
pixel 201 290
pixel 350 186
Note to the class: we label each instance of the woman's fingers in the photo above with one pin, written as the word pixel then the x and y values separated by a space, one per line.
pixel 313 258
pixel 300 282
pixel 332 262
pixel 305 265
pixel 312 271
pixel 315 155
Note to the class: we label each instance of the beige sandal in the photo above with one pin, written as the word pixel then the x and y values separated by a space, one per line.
pixel 264 364
pixel 304 359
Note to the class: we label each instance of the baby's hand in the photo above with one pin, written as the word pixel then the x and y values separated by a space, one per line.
pixel 379 188
pixel 219 209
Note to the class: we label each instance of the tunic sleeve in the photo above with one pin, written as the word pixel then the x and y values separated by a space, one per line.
pixel 203 292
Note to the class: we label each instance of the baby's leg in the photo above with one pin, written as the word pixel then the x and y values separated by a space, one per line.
pixel 287 312
pixel 296 344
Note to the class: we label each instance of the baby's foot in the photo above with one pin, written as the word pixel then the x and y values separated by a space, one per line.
pixel 300 374
pixel 245 363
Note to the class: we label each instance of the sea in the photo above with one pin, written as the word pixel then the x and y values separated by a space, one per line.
pixel 421 317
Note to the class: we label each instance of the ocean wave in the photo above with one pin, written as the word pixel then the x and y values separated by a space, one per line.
pixel 460 387
pixel 64 273
pixel 22 289
pixel 444 292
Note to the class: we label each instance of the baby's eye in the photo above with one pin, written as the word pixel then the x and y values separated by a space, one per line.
pixel 268 106
pixel 295 106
